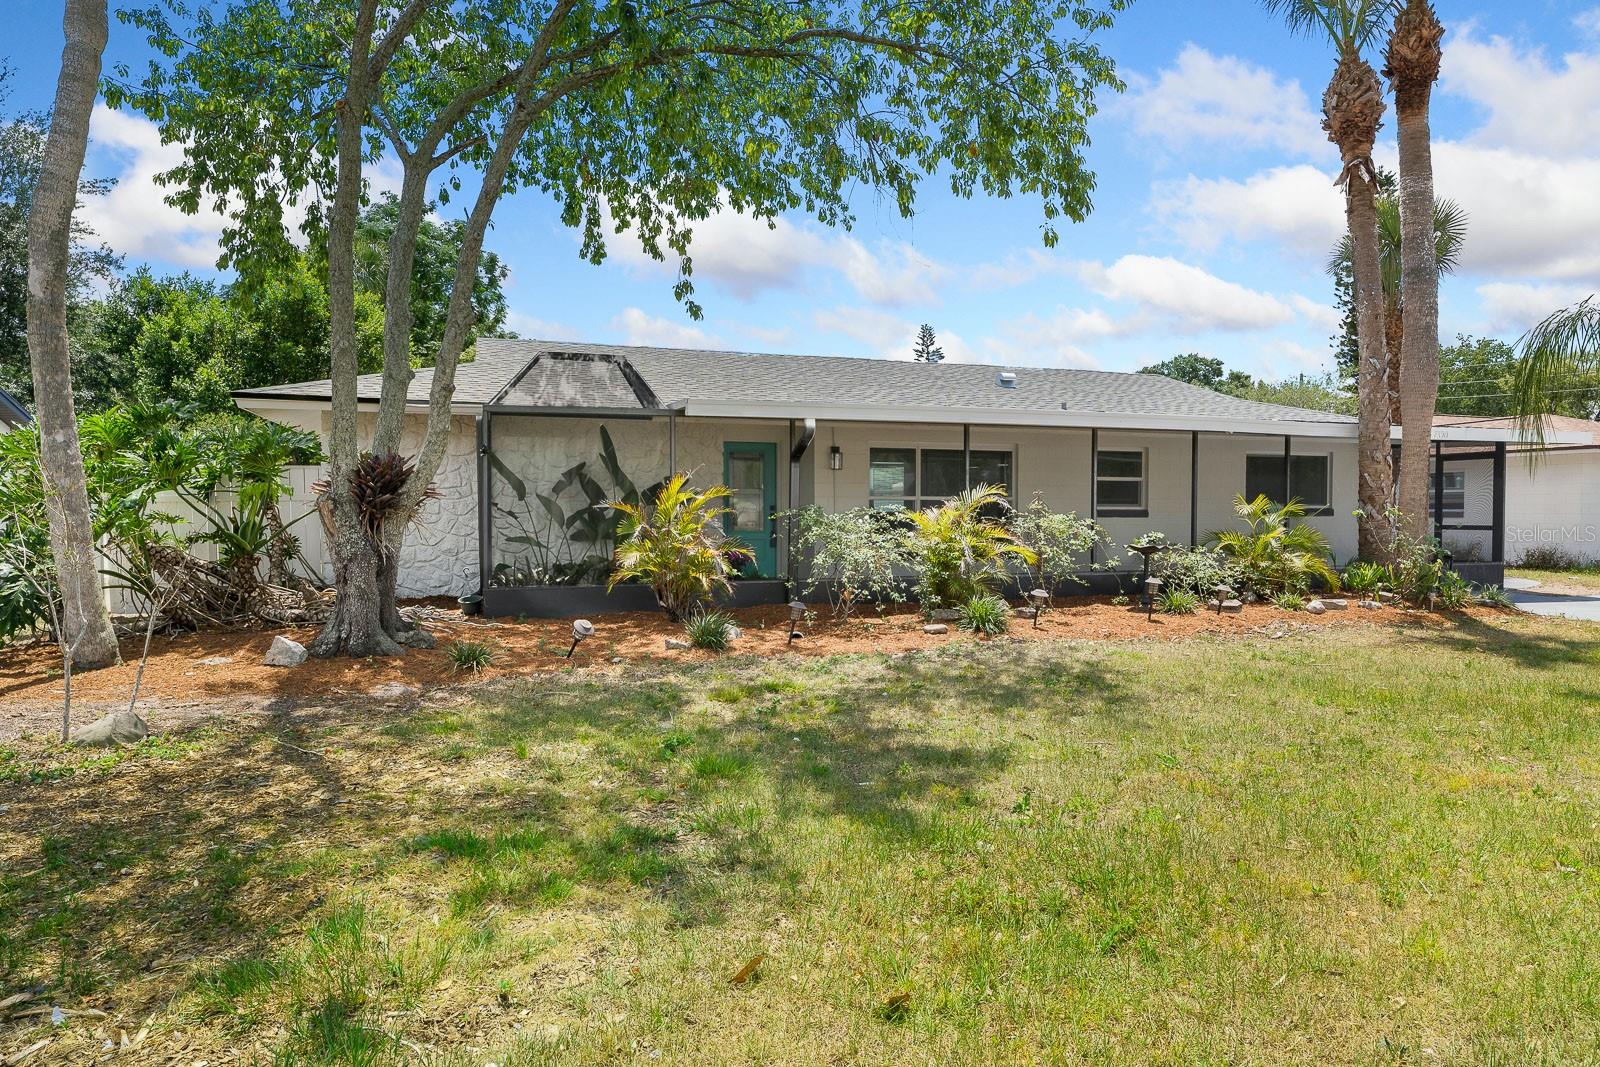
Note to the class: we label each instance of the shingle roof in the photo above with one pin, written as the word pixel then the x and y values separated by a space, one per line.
pixel 12 413
pixel 687 376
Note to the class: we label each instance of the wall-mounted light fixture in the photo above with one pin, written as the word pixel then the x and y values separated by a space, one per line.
pixel 835 459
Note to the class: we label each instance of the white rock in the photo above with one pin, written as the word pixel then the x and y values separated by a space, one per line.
pixel 1316 607
pixel 118 728
pixel 1336 604
pixel 734 633
pixel 936 628
pixel 285 653
pixel 1370 605
pixel 675 645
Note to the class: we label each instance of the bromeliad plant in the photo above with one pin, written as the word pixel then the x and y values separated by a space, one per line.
pixel 674 545
pixel 959 550
pixel 1275 553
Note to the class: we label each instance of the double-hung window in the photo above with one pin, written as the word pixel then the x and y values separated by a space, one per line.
pixel 1120 483
pixel 909 479
pixel 1309 480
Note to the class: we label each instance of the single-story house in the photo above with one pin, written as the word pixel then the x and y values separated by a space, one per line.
pixel 1139 452
pixel 12 414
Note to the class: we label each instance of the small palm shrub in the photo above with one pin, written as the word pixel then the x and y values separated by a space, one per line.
pixel 1288 601
pixel 958 551
pixel 673 545
pixel 1365 578
pixel 471 656
pixel 1178 602
pixel 1275 553
pixel 710 630
pixel 985 614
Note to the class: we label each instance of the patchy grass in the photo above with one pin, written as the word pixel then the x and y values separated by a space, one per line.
pixel 1583 580
pixel 1355 846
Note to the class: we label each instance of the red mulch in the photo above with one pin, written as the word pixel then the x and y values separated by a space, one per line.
pixel 32 675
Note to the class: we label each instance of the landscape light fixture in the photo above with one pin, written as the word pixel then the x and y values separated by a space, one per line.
pixel 581 628
pixel 797 611
pixel 1152 586
pixel 1222 593
pixel 1038 598
pixel 835 459
pixel 1147 551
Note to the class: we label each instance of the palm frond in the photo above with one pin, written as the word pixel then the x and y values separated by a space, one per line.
pixel 1349 25
pixel 1564 347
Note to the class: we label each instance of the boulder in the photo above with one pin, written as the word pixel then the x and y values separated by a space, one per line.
pixel 1336 604
pixel 1387 597
pixel 1370 605
pixel 285 653
pixel 1230 607
pixel 936 628
pixel 734 633
pixel 675 645
pixel 944 614
pixel 118 728
pixel 1025 613
pixel 1316 607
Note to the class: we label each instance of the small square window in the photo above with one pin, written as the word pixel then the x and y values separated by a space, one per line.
pixel 1119 483
pixel 1308 480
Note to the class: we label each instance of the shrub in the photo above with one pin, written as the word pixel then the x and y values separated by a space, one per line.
pixel 1178 602
pixel 1492 596
pixel 958 551
pixel 854 554
pixel 1454 591
pixel 1058 543
pixel 1274 553
pixel 1550 558
pixel 1196 570
pixel 1121 600
pixel 710 630
pixel 673 546
pixel 1288 601
pixel 1417 568
pixel 985 614
pixel 1365 578
pixel 471 656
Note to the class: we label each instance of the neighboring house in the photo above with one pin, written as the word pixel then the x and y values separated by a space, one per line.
pixel 1552 490
pixel 1137 451
pixel 12 413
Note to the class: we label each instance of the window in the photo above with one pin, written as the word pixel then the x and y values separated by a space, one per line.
pixel 915 478
pixel 1455 494
pixel 1119 483
pixel 1309 482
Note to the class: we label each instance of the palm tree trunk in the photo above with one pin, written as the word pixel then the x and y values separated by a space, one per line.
pixel 1413 64
pixel 1394 333
pixel 86 625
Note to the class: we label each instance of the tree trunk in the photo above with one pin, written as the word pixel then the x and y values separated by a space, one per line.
pixel 86 625
pixel 1413 65
pixel 1394 331
pixel 1352 111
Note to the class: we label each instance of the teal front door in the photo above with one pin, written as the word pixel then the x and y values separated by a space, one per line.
pixel 751 471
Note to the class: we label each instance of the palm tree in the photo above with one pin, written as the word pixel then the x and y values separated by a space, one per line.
pixel 1412 66
pixel 1352 110
pixel 1449 234
pixel 1562 348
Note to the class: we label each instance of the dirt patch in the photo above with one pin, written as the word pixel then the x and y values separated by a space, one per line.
pixel 192 676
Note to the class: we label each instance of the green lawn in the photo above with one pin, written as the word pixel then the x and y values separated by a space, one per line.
pixel 1585 579
pixel 1360 846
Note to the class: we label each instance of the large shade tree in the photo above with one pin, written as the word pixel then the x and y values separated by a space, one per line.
pixel 1412 66
pixel 642 116
pixel 1352 110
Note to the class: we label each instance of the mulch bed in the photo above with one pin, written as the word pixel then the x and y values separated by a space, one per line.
pixel 202 668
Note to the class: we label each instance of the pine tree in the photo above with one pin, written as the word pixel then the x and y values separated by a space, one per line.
pixel 925 351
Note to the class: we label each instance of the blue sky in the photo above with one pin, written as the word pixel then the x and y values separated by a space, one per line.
pixel 1213 217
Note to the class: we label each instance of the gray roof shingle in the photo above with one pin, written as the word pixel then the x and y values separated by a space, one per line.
pixel 686 376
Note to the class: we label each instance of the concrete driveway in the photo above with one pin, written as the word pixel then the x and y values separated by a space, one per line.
pixel 1525 594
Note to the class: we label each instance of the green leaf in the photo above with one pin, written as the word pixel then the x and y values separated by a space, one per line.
pixel 518 486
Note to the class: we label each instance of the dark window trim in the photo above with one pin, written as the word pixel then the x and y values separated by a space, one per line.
pixel 1112 511
pixel 919 499
pixel 1321 511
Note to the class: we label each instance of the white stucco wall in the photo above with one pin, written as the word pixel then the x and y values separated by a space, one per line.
pixel 1555 502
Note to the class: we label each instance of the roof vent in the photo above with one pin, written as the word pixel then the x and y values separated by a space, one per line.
pixel 1006 379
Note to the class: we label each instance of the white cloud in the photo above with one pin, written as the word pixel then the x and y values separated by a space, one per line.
pixel 1016 268
pixel 133 217
pixel 1297 206
pixel 1588 22
pixel 748 256
pixel 1512 307
pixel 1205 98
pixel 1315 311
pixel 1529 102
pixel 1185 298
pixel 879 331
pixel 641 328
pixel 543 329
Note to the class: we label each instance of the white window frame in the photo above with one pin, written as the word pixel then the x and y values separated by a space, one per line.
pixel 1324 507
pixel 1131 511
pixel 920 500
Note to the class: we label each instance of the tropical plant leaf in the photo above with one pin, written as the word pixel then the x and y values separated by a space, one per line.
pixel 554 510
pixel 626 490
pixel 518 486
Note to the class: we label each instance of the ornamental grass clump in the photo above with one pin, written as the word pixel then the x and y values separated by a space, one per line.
pixel 710 630
pixel 985 614
pixel 674 546
pixel 471 656
pixel 1178 602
